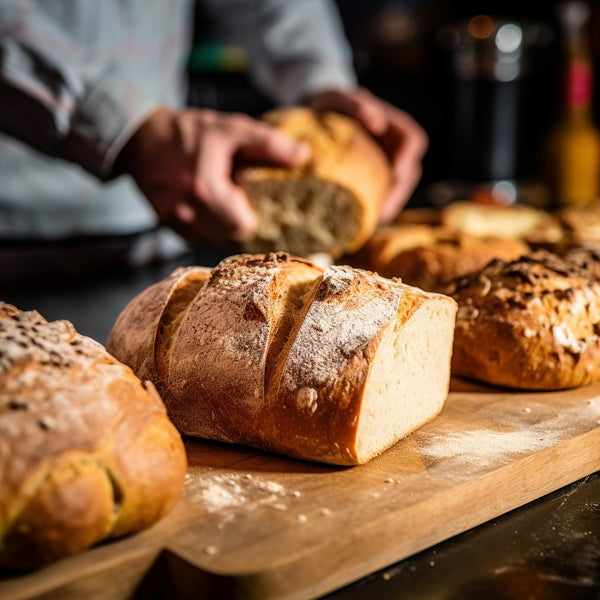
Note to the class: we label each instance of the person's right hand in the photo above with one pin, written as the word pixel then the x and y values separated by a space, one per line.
pixel 182 161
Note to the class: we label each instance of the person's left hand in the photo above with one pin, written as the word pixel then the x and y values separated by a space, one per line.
pixel 404 140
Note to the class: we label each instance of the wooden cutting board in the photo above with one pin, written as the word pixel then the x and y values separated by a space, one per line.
pixel 255 525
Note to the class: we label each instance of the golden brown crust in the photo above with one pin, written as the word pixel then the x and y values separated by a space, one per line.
pixel 218 369
pixel 581 225
pixel 428 257
pixel 344 154
pixel 532 323
pixel 537 227
pixel 587 257
pixel 138 326
pixel 86 451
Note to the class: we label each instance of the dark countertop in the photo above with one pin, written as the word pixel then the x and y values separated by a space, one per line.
pixel 548 549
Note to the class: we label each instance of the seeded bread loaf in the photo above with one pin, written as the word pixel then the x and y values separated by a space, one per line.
pixel 330 205
pixel 86 450
pixel 428 257
pixel 532 323
pixel 273 352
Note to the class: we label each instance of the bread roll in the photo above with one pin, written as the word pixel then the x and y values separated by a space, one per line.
pixel 86 451
pixel 330 205
pixel 532 323
pixel 429 257
pixel 537 227
pixel 330 366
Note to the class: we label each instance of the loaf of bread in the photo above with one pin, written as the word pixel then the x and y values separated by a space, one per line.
pixel 587 257
pixel 536 226
pixel 329 205
pixel 273 352
pixel 532 323
pixel 428 256
pixel 87 451
pixel 581 225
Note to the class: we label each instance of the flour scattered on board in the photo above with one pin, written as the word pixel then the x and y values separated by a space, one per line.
pixel 477 449
pixel 219 492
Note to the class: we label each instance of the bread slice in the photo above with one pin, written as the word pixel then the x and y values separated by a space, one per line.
pixel 226 350
pixel 332 204
pixel 370 364
pixel 532 323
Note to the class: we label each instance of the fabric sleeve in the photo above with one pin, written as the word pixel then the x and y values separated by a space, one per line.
pixel 295 47
pixel 56 99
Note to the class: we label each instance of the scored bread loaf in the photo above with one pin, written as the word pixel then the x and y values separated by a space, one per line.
pixel 429 257
pixel 331 204
pixel 87 451
pixel 273 352
pixel 532 323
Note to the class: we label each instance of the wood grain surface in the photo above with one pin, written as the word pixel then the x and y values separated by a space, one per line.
pixel 255 525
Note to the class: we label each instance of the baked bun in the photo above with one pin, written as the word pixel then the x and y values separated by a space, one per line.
pixel 581 225
pixel 428 257
pixel 273 352
pixel 329 205
pixel 531 323
pixel 87 452
pixel 587 257
pixel 535 226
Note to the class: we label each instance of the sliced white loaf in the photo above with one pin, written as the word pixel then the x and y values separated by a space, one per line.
pixel 332 367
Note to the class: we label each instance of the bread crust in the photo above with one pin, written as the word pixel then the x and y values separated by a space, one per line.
pixel 133 337
pixel 428 257
pixel 86 450
pixel 532 323
pixel 217 376
pixel 343 153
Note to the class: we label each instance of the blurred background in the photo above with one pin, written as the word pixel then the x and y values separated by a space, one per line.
pixel 489 88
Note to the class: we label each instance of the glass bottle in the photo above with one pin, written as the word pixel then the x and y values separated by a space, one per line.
pixel 573 164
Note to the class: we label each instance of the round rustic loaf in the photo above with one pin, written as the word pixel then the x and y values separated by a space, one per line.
pixel 331 204
pixel 86 450
pixel 532 323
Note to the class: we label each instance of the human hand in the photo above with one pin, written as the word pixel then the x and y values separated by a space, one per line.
pixel 404 140
pixel 182 161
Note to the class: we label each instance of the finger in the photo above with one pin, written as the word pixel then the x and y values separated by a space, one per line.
pixel 403 185
pixel 406 141
pixel 263 142
pixel 359 104
pixel 216 194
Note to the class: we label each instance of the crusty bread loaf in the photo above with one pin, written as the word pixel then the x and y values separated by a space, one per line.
pixel 428 257
pixel 330 366
pixel 536 226
pixel 330 205
pixel 587 257
pixel 532 323
pixel 86 451
pixel 581 225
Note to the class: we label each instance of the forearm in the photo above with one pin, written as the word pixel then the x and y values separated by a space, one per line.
pixel 56 102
